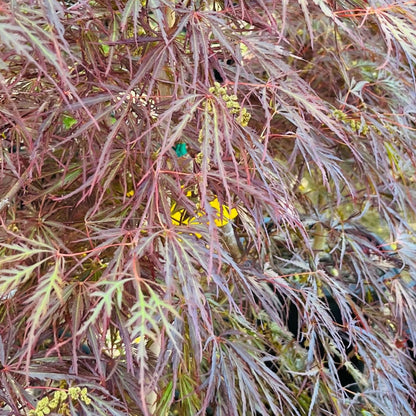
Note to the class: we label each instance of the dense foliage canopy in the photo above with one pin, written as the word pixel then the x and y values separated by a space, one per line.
pixel 180 181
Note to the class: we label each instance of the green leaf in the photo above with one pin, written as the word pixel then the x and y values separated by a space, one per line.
pixel 68 121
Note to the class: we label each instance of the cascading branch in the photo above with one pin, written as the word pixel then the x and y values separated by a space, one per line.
pixel 131 149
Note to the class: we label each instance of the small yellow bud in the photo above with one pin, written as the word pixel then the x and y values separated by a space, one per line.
pixel 74 392
pixel 244 117
pixel 43 403
pixel 53 404
pixel 199 157
pixel 84 396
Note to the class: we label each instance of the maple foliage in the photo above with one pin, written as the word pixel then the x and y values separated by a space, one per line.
pixel 183 183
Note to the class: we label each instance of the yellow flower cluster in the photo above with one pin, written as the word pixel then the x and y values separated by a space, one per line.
pixel 359 127
pixel 59 403
pixel 232 104
pixel 355 124
pixel 244 117
pixel 76 393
